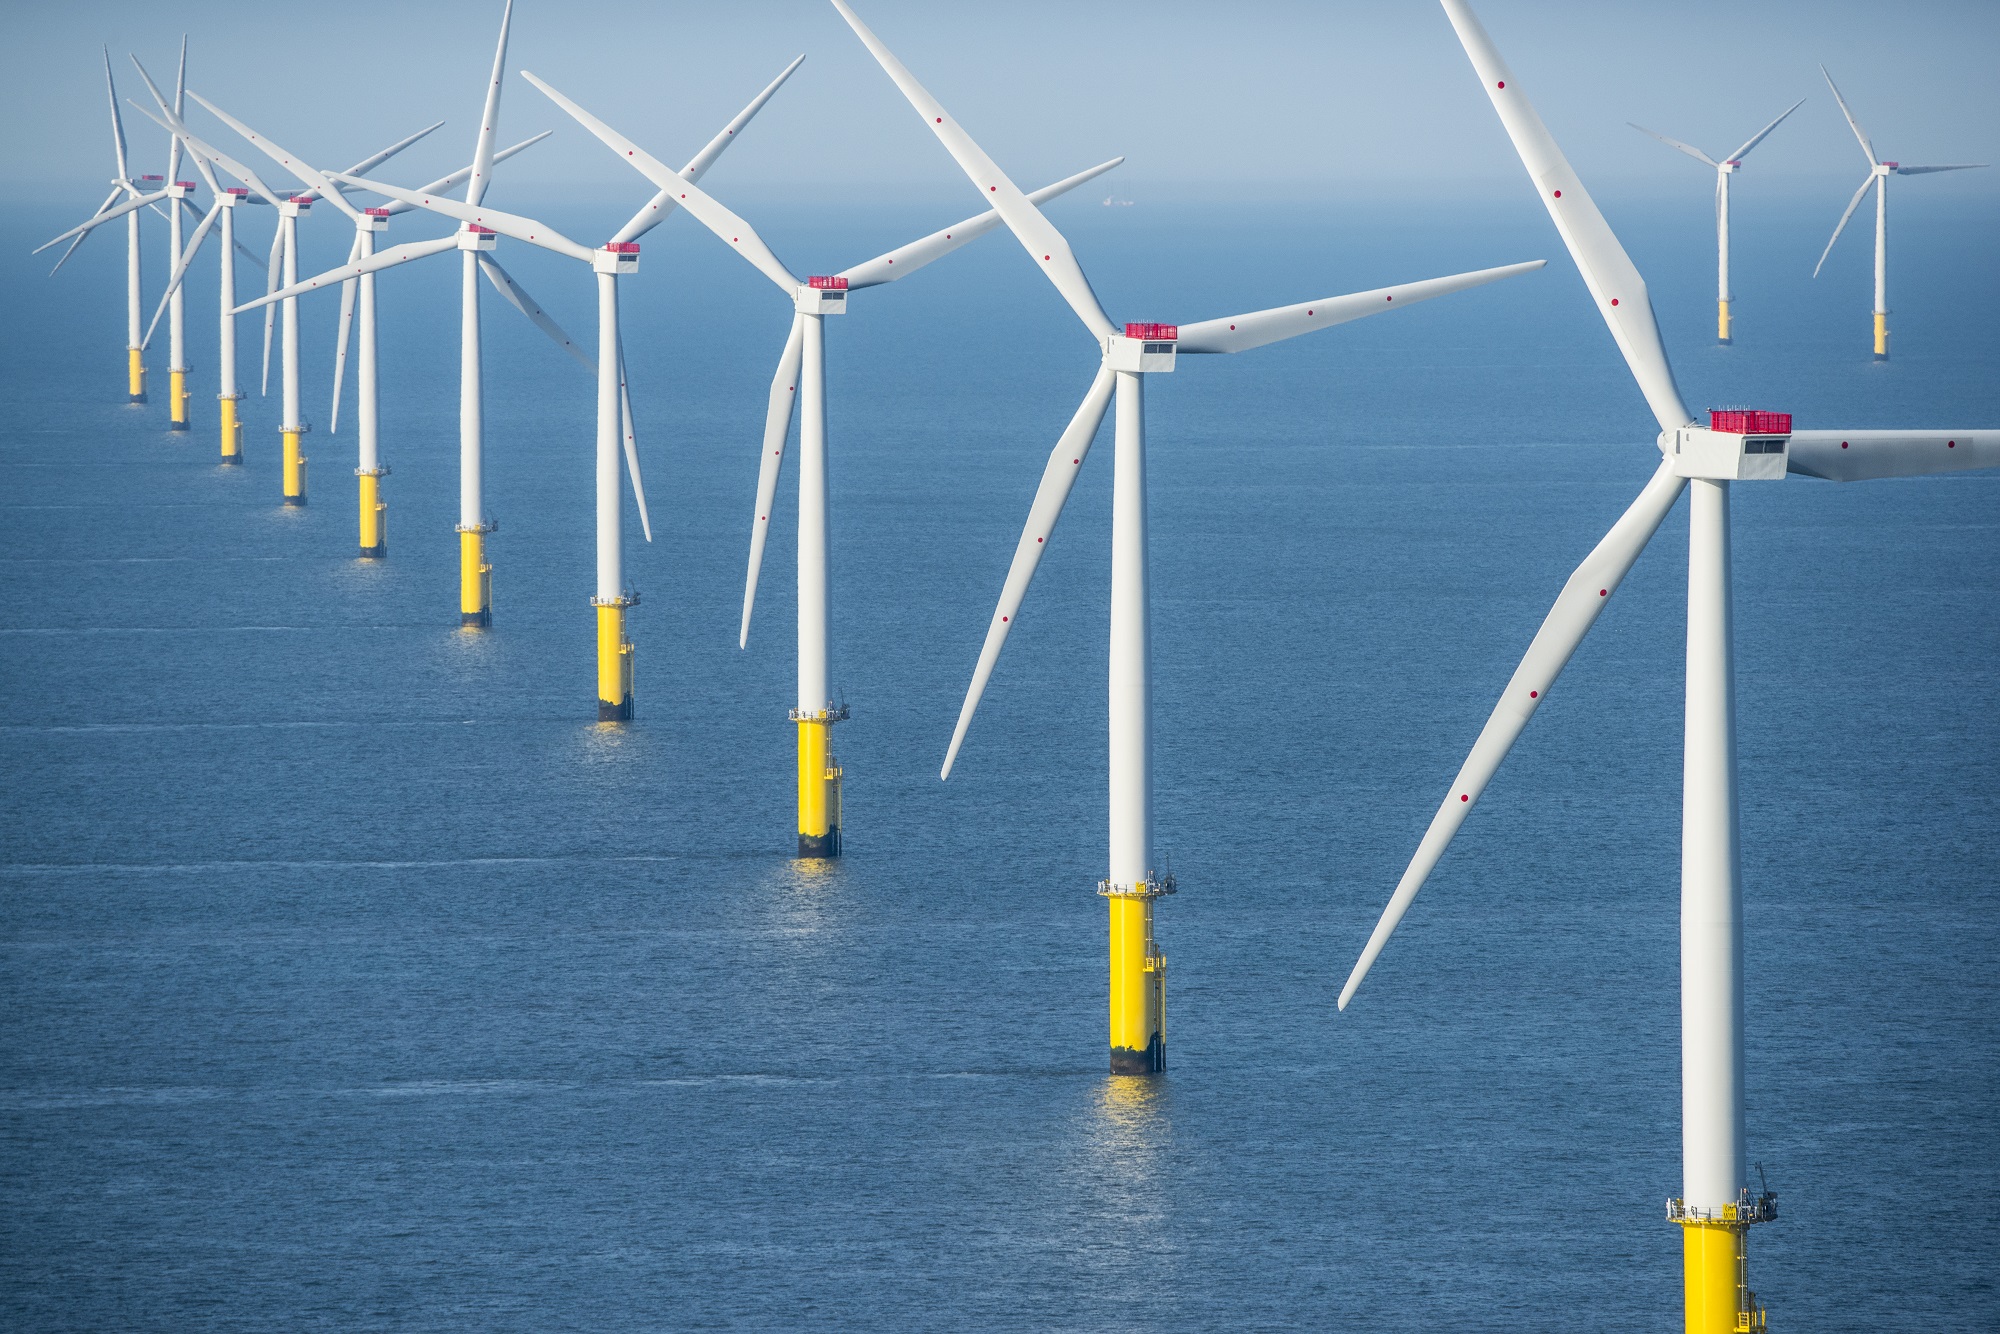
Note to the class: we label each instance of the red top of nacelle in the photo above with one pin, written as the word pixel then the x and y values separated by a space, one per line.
pixel 152 178
pixel 376 212
pixel 623 247
pixel 826 284
pixel 235 190
pixel 477 230
pixel 306 200
pixel 1161 333
pixel 1748 421
pixel 185 185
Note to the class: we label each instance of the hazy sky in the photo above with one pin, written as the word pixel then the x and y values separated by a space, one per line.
pixel 1311 97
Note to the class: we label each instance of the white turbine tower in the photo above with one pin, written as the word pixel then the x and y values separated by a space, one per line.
pixel 802 375
pixel 1137 986
pixel 1724 169
pixel 617 258
pixel 314 184
pixel 1877 179
pixel 1716 1205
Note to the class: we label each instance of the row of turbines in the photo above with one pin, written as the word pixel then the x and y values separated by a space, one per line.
pixel 1877 180
pixel 1716 1206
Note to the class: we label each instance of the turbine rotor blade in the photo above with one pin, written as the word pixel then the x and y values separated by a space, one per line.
pixel 368 164
pixel 347 295
pixel 1925 171
pixel 1841 226
pixel 99 219
pixel 1575 611
pixel 1867 149
pixel 312 178
pixel 76 241
pixel 1758 137
pixel 375 263
pixel 632 445
pixel 777 429
pixel 489 117
pixel 1065 462
pixel 171 119
pixel 699 164
pixel 1037 235
pixel 517 296
pixel 709 212
pixel 1856 456
pixel 272 277
pixel 180 271
pixel 1675 143
pixel 901 262
pixel 117 123
pixel 459 177
pixel 1240 333
pixel 1607 270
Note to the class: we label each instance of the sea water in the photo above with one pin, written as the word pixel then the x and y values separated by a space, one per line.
pixel 355 978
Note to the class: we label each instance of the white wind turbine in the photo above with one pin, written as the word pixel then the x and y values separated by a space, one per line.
pixel 313 184
pixel 1877 179
pixel 1724 169
pixel 618 257
pixel 137 193
pixel 802 375
pixel 1716 1205
pixel 1137 985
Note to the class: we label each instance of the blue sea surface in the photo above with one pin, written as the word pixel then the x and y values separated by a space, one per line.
pixel 351 976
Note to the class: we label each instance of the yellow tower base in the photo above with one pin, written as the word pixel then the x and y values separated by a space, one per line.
pixel 177 400
pixel 1138 978
pixel 1881 335
pixel 1722 322
pixel 614 660
pixel 295 466
pixel 232 429
pixel 1715 1272
pixel 135 375
pixel 475 577
pixel 819 782
pixel 374 514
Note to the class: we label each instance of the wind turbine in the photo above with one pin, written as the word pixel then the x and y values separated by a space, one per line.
pixel 802 375
pixel 314 184
pixel 1137 986
pixel 137 193
pixel 1716 1206
pixel 1724 169
pixel 1877 179
pixel 617 258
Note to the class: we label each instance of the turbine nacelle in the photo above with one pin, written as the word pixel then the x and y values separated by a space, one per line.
pixel 372 220
pixel 616 258
pixel 1737 445
pixel 473 237
pixel 295 206
pixel 821 294
pixel 1147 349
pixel 180 189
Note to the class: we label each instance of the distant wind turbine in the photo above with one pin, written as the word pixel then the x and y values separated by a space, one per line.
pixel 1724 169
pixel 1877 179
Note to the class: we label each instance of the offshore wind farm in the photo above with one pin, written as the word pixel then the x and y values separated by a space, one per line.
pixel 360 976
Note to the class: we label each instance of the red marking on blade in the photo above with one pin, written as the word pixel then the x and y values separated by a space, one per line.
pixel 1388 298
pixel 1534 694
pixel 992 189
pixel 1559 194
pixel 1076 460
pixel 1464 797
pixel 1232 327
pixel 1604 592
pixel 1003 618
pixel 940 120
pixel 1501 84
pixel 1951 444
pixel 1614 300
pixel 1038 539
pixel 1308 312
pixel 1044 257
pixel 1843 444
